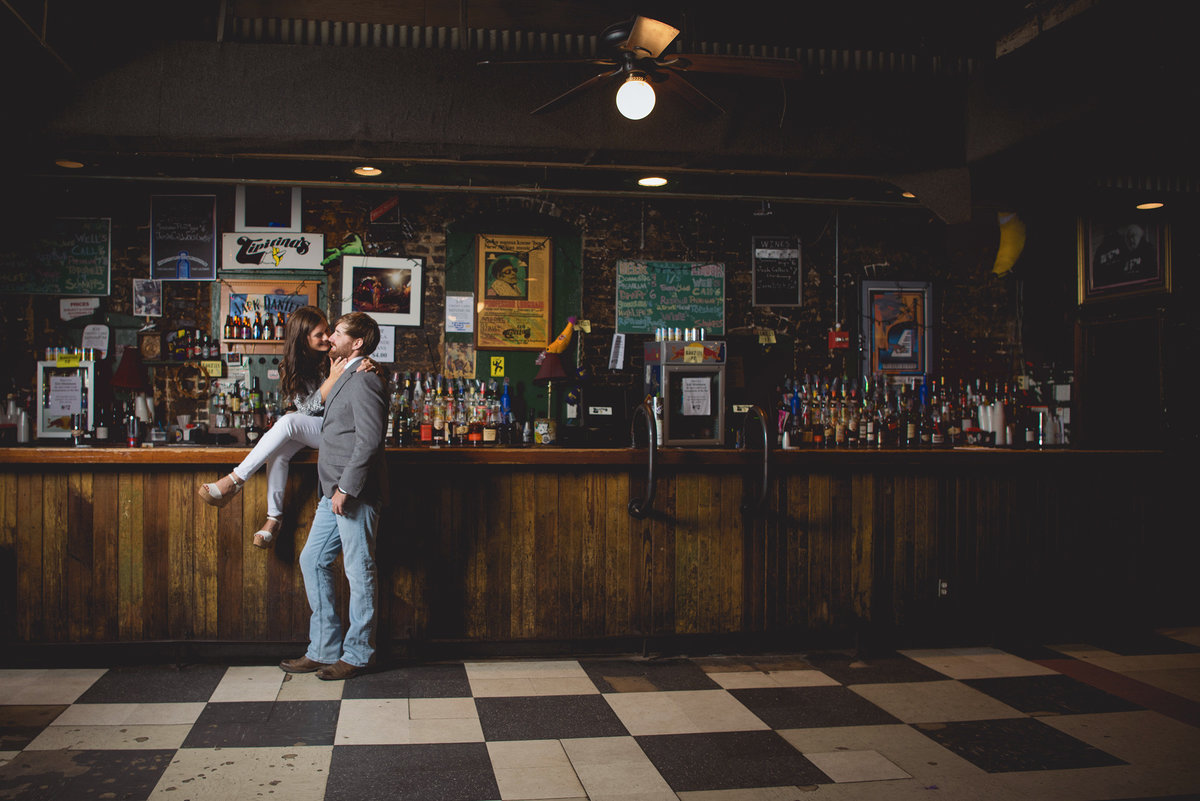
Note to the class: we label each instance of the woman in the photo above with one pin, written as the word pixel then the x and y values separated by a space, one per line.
pixel 305 377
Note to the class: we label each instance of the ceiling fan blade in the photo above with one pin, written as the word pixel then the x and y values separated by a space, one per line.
pixel 782 68
pixel 649 37
pixel 603 62
pixel 680 85
pixel 576 90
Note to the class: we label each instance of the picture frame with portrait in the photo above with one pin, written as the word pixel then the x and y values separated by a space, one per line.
pixel 1120 257
pixel 388 289
pixel 513 290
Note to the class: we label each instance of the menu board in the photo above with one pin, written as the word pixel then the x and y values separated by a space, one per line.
pixel 183 237
pixel 670 294
pixel 776 271
pixel 67 256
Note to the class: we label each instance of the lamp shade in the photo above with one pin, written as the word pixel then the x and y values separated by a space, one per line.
pixel 130 374
pixel 551 370
pixel 635 98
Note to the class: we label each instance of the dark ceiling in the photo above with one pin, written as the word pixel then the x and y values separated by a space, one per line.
pixel 969 104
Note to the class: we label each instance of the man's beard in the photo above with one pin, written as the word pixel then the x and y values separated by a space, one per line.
pixel 345 352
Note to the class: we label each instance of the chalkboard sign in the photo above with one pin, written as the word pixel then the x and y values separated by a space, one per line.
pixel 776 271
pixel 183 237
pixel 68 256
pixel 670 294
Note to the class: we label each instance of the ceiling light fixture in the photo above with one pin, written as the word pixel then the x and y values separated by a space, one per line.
pixel 908 195
pixel 69 164
pixel 367 170
pixel 652 180
pixel 635 98
pixel 1153 204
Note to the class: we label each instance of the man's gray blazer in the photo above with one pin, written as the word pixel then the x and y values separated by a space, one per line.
pixel 351 456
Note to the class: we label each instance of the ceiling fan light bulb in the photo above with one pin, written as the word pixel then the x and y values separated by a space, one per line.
pixel 635 98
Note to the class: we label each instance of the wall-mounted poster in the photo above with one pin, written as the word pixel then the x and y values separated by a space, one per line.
pixel 390 290
pixel 1123 257
pixel 895 327
pixel 513 284
pixel 273 251
pixel 246 297
pixel 183 237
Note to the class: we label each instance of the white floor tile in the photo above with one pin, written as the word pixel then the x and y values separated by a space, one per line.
pixel 131 714
pixel 307 687
pixel 935 701
pixel 780 678
pixel 122 737
pixel 682 712
pixel 976 663
pixel 856 766
pixel 249 684
pixel 54 686
pixel 373 721
pixel 904 746
pixel 246 774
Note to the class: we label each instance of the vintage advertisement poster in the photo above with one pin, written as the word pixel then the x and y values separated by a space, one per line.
pixel 513 287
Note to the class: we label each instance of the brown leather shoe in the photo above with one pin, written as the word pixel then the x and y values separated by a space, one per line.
pixel 302 665
pixel 340 671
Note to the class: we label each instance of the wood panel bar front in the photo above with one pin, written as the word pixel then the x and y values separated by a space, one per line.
pixel 537 546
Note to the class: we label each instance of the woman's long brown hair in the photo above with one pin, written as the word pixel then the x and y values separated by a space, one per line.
pixel 301 365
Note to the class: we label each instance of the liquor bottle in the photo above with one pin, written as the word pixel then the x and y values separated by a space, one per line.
pixel 255 397
pixel 253 430
pixel 475 419
pixel 889 426
pixel 925 420
pixel 279 325
pixel 229 332
pixel 490 421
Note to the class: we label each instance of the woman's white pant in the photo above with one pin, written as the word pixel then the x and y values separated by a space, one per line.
pixel 290 433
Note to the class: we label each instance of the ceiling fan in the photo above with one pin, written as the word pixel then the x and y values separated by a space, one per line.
pixel 636 59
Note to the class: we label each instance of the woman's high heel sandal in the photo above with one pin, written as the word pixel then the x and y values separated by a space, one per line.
pixel 264 538
pixel 213 496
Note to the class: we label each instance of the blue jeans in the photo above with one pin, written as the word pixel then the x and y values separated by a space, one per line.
pixel 352 535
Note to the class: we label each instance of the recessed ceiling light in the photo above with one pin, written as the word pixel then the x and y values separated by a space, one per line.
pixel 367 170
pixel 1154 204
pixel 652 180
pixel 69 164
pixel 908 195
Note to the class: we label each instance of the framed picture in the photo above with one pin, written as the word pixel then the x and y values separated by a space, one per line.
pixel 513 287
pixel 390 290
pixel 183 237
pixel 267 209
pixel 1122 257
pixel 248 297
pixel 895 327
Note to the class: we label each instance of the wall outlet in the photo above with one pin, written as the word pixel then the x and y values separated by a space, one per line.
pixel 943 588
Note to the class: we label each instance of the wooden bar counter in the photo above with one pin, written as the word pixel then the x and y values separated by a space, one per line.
pixel 536 546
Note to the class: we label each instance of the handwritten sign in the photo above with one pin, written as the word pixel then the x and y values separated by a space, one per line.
pixel 68 256
pixel 654 294
pixel 776 271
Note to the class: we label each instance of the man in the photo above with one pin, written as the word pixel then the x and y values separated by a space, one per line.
pixel 351 470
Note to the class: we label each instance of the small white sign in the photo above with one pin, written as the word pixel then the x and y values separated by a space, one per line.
pixel 697 397
pixel 386 350
pixel 272 251
pixel 460 312
pixel 96 336
pixel 65 395
pixel 72 308
pixel 616 356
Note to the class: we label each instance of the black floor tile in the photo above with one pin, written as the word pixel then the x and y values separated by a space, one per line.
pixel 811 707
pixel 82 775
pixel 446 772
pixel 555 717
pixel 157 684
pixel 19 725
pixel 1019 744
pixel 729 760
pixel 422 681
pixel 252 724
pixel 1050 695
pixel 850 669
pixel 631 675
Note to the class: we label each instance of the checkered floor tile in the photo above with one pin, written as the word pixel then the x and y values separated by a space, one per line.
pixel 1110 720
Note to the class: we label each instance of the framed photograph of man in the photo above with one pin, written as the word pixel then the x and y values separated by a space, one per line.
pixel 1122 257
pixel 388 289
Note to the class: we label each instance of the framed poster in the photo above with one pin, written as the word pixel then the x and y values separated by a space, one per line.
pixel 895 327
pixel 776 267
pixel 1121 257
pixel 513 285
pixel 244 297
pixel 183 237
pixel 390 290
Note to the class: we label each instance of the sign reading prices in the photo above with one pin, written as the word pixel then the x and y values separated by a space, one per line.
pixel 270 251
